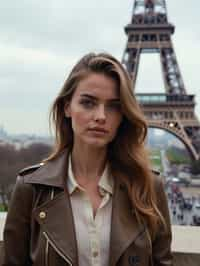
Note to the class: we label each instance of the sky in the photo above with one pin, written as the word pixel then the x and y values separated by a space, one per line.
pixel 40 41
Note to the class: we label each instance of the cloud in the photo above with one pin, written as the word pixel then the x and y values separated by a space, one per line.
pixel 59 26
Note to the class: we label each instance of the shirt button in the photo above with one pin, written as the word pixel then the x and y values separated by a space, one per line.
pixel 95 254
pixel 42 215
pixel 102 192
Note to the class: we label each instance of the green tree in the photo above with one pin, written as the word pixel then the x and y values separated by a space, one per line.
pixel 12 161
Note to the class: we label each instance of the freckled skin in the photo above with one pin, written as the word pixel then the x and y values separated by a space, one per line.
pixel 95 103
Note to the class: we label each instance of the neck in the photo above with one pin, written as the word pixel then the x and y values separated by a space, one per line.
pixel 87 162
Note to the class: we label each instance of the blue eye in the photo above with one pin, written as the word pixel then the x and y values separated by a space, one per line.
pixel 114 106
pixel 87 103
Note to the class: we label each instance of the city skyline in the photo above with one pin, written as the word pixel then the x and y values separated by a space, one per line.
pixel 41 41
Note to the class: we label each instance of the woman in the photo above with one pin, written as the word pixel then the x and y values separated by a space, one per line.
pixel 95 200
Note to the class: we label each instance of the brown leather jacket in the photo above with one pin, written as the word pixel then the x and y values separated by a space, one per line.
pixel 39 229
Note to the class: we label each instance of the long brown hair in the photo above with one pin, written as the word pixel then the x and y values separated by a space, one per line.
pixel 127 155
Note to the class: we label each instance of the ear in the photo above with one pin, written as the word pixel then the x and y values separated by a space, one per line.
pixel 67 109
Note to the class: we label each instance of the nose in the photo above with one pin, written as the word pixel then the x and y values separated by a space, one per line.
pixel 100 115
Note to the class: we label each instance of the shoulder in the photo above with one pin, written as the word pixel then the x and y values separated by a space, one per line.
pixel 20 184
pixel 158 180
pixel 30 169
pixel 155 172
pixel 159 188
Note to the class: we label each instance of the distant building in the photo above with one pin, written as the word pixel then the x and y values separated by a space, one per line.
pixel 22 140
pixel 3 133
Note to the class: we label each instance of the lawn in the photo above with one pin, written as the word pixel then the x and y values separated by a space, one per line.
pixel 177 157
pixel 155 156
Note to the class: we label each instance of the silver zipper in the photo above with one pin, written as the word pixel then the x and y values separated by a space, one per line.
pixel 56 249
pixel 47 253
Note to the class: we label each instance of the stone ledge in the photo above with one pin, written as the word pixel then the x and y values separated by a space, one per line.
pixel 186 239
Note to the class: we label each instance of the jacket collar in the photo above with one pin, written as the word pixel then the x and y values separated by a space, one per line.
pixel 50 173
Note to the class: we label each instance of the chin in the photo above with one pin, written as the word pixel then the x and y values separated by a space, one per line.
pixel 99 143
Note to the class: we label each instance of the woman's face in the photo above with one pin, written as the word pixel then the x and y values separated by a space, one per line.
pixel 95 110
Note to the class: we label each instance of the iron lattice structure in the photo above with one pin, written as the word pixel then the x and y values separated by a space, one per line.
pixel 150 31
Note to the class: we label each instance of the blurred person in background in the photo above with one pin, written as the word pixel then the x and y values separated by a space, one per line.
pixel 95 200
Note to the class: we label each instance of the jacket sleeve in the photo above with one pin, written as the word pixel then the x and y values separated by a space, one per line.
pixel 17 226
pixel 161 245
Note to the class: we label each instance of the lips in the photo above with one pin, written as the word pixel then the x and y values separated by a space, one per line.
pixel 98 129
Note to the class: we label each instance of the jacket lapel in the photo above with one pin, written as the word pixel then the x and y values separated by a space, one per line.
pixel 124 228
pixel 59 227
pixel 55 215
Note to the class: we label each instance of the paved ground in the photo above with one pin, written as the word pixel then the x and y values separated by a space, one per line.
pixel 190 191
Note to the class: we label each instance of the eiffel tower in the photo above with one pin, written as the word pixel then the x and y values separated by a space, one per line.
pixel 150 32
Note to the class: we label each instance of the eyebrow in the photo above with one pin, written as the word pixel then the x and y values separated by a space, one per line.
pixel 95 98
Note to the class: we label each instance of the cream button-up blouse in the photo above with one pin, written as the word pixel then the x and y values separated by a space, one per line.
pixel 92 233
